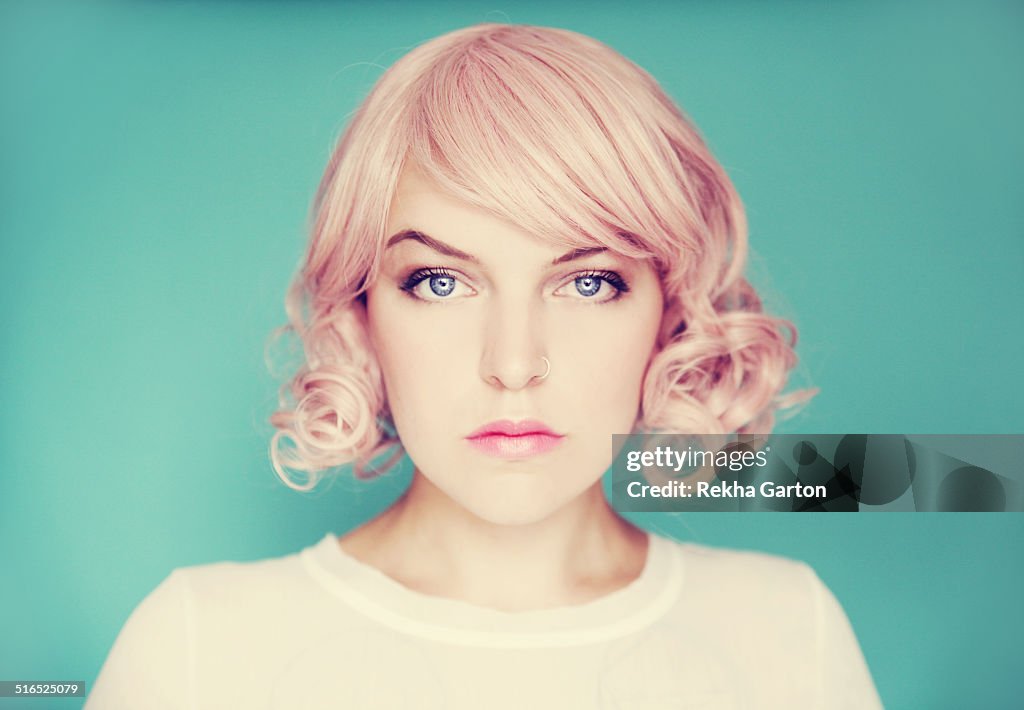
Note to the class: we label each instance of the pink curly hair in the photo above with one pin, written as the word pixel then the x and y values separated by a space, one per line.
pixel 566 138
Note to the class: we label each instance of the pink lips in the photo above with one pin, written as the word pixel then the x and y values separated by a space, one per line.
pixel 510 440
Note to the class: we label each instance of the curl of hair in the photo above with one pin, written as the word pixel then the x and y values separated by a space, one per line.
pixel 333 410
pixel 723 374
pixel 564 137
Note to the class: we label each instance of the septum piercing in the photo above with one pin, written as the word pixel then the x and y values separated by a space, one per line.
pixel 547 364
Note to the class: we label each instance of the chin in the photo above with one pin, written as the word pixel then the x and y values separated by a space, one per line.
pixel 511 516
pixel 514 504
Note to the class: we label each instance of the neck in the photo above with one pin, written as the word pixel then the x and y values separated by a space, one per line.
pixel 431 544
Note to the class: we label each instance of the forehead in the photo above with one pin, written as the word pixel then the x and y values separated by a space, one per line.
pixel 419 204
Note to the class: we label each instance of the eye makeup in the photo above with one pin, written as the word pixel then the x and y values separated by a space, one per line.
pixel 612 278
pixel 588 283
pixel 409 284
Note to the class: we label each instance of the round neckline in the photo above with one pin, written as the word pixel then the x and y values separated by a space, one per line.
pixel 375 595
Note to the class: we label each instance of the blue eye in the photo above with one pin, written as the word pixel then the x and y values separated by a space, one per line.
pixel 588 285
pixel 436 284
pixel 441 283
pixel 592 286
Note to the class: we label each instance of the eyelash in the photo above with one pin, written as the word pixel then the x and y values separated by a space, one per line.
pixel 609 277
pixel 410 282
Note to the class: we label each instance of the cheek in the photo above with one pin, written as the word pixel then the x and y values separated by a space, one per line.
pixel 604 363
pixel 417 359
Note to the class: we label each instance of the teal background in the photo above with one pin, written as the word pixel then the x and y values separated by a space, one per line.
pixel 158 159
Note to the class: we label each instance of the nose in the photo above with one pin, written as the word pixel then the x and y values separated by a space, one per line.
pixel 513 353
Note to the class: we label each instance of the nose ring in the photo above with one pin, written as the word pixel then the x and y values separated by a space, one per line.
pixel 547 366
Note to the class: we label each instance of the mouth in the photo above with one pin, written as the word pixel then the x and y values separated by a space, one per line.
pixel 510 440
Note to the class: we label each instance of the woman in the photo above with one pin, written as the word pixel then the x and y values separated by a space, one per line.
pixel 521 247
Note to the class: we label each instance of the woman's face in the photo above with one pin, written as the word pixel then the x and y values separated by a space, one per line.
pixel 462 315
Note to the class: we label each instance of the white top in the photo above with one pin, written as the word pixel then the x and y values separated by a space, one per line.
pixel 699 628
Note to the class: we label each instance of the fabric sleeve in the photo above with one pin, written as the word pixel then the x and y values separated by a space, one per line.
pixel 150 663
pixel 844 678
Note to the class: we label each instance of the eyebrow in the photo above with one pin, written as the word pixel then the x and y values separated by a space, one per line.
pixel 448 250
